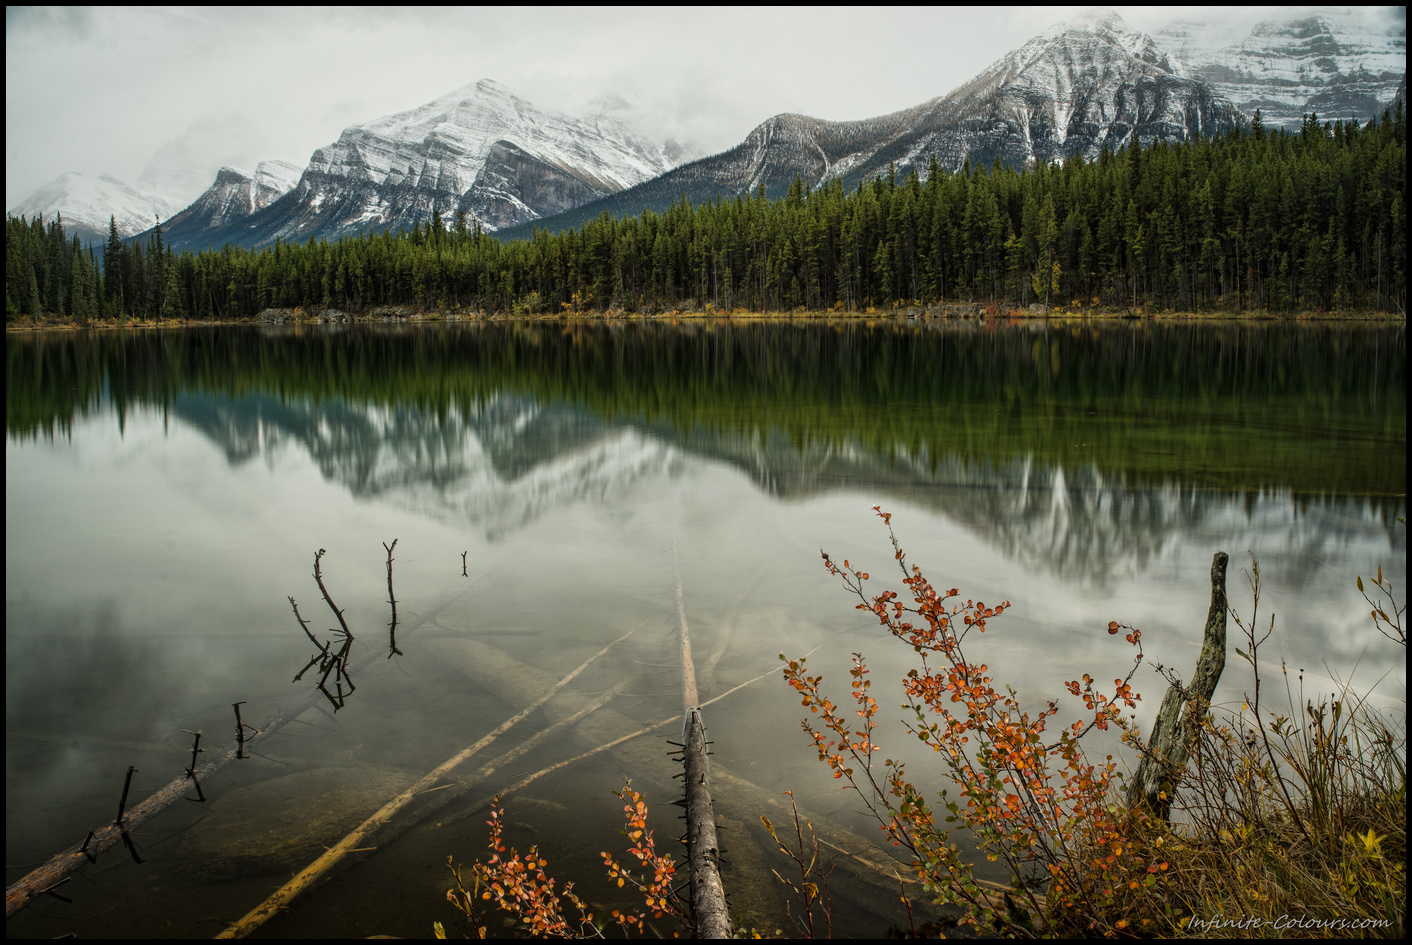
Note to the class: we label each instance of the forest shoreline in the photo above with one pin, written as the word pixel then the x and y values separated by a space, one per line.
pixel 398 315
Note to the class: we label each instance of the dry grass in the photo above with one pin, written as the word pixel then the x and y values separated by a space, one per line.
pixel 1290 821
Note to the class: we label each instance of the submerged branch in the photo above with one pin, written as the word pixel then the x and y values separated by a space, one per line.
pixel 311 873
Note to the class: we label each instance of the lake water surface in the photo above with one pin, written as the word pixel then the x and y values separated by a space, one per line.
pixel 165 494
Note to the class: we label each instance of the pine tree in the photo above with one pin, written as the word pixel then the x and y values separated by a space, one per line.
pixel 113 264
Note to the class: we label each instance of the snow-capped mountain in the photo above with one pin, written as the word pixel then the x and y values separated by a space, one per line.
pixel 1339 64
pixel 478 149
pixel 234 196
pixel 86 204
pixel 777 151
pixel 1076 88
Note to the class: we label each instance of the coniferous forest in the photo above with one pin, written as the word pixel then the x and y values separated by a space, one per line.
pixel 1253 221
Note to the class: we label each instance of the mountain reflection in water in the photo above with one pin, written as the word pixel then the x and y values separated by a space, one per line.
pixel 510 460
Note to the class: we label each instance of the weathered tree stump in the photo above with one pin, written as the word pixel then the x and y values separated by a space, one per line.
pixel 1173 734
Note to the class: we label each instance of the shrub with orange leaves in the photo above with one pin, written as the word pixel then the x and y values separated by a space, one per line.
pixel 1030 799
pixel 517 883
pixel 658 871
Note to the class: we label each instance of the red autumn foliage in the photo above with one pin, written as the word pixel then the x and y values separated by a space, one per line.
pixel 1034 802
pixel 517 883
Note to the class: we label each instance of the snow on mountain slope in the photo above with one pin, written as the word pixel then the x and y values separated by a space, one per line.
pixel 87 203
pixel 443 144
pixel 479 150
pixel 274 179
pixel 1338 63
pixel 1075 88
pixel 233 196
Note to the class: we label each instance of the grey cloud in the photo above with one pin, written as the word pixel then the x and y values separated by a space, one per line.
pixel 21 21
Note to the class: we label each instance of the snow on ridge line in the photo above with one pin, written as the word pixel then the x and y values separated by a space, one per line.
pixel 459 128
pixel 89 203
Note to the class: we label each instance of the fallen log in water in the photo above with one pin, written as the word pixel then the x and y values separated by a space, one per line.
pixel 311 873
pixel 45 877
pixel 516 683
pixel 703 852
pixel 51 873
pixel 873 873
pixel 707 676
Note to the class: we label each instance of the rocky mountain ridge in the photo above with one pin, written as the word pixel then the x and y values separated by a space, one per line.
pixel 478 150
pixel 235 195
pixel 1338 64
pixel 1077 88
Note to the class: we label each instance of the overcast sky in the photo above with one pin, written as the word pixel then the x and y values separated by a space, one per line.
pixel 100 90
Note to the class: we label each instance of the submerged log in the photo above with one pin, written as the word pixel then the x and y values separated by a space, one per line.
pixel 51 873
pixel 873 871
pixel 688 668
pixel 1173 733
pixel 708 895
pixel 703 853
pixel 18 894
pixel 311 873
pixel 605 747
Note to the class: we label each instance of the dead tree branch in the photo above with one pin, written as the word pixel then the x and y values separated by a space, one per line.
pixel 1169 746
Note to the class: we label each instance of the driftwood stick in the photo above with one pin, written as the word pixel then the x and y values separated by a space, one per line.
pixel 310 874
pixel 319 579
pixel 122 802
pixel 304 624
pixel 391 599
pixel 196 750
pixel 19 893
pixel 1169 746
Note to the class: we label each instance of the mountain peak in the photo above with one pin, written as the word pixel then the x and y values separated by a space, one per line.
pixel 1103 18
pixel 88 203
pixel 1107 28
pixel 1341 63
pixel 478 148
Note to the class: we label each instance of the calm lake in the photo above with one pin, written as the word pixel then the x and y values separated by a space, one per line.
pixel 166 492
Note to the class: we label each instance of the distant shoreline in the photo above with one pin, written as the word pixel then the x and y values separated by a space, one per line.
pixel 277 318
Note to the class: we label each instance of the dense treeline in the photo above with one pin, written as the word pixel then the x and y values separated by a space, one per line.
pixel 1252 220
